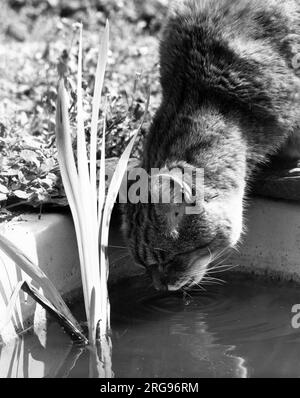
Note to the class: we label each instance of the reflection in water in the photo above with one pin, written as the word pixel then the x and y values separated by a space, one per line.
pixel 167 339
pixel 28 357
pixel 242 329
pixel 100 359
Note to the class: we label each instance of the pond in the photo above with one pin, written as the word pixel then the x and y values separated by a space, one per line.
pixel 241 328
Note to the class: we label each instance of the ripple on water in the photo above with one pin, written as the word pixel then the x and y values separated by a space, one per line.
pixel 240 329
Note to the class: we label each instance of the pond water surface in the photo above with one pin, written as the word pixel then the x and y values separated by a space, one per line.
pixel 239 329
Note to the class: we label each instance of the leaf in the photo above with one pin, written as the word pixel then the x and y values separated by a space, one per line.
pixel 88 212
pixel 71 184
pixel 21 194
pixel 101 187
pixel 21 178
pixel 100 71
pixel 6 317
pixel 3 197
pixel 109 204
pixel 47 165
pixel 47 182
pixel 101 292
pixel 72 329
pixel 3 189
pixel 10 172
pixel 31 269
pixel 29 156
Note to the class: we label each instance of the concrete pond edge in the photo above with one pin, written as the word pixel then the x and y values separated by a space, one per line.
pixel 269 248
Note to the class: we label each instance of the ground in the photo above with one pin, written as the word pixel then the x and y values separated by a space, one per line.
pixel 34 36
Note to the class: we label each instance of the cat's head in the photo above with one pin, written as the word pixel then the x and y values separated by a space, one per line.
pixel 177 240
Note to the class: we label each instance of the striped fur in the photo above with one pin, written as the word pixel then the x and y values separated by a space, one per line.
pixel 230 100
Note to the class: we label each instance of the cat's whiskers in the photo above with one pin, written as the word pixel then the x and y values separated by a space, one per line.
pixel 236 248
pixel 207 283
pixel 219 254
pixel 158 248
pixel 185 292
pixel 212 279
pixel 115 261
pixel 199 286
pixel 221 268
pixel 117 247
pixel 222 260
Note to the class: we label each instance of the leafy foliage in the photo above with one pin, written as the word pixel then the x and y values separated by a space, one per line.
pixel 29 171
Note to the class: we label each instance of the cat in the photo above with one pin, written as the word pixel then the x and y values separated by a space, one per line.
pixel 230 99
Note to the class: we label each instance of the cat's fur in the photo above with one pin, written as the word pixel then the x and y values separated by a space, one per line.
pixel 230 99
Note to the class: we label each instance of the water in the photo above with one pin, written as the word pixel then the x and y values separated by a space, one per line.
pixel 240 329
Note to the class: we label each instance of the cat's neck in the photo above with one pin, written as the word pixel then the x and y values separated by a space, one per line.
pixel 203 138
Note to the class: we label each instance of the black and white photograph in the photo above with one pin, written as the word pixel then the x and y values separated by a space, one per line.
pixel 149 192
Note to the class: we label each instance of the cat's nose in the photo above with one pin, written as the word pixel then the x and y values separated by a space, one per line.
pixel 159 279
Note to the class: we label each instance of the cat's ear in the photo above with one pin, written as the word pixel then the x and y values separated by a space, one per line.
pixel 170 195
pixel 169 186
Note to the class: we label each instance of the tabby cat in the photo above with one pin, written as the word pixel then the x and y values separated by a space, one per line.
pixel 230 85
